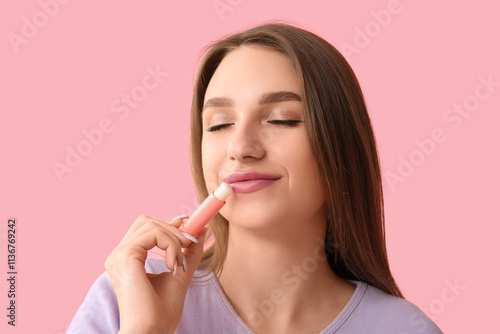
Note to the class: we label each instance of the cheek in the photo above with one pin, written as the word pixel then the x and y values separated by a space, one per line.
pixel 210 159
pixel 305 180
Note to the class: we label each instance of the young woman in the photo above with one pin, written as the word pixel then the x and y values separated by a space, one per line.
pixel 299 247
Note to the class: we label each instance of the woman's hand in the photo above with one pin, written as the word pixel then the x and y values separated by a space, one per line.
pixel 151 303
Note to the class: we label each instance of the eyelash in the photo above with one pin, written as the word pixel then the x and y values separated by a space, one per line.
pixel 287 123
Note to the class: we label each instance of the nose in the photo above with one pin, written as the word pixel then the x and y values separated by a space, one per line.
pixel 246 142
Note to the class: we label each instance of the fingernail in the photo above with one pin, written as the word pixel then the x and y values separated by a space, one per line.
pixel 175 267
pixel 190 237
pixel 181 216
pixel 184 263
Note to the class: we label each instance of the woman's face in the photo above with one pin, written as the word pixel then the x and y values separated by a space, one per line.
pixel 251 93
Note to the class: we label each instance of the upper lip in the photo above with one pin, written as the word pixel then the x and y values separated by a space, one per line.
pixel 249 175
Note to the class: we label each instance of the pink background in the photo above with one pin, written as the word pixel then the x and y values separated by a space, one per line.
pixel 442 221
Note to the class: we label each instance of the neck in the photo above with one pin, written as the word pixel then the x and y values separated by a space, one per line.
pixel 279 275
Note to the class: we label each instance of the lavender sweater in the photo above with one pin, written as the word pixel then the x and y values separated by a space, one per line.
pixel 207 310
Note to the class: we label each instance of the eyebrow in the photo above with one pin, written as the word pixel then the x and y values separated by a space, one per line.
pixel 274 97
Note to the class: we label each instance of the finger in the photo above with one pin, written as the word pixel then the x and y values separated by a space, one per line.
pixel 136 225
pixel 194 253
pixel 173 255
pixel 176 223
pixel 142 219
pixel 174 258
pixel 184 219
pixel 172 226
pixel 166 241
pixel 153 233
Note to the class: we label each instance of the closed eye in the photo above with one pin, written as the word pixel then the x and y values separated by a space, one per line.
pixel 217 127
pixel 278 122
pixel 291 123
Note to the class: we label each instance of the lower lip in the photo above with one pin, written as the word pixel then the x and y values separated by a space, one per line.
pixel 250 185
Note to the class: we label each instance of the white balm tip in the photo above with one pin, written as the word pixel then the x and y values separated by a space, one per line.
pixel 223 192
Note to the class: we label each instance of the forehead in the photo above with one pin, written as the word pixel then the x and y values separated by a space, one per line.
pixel 251 71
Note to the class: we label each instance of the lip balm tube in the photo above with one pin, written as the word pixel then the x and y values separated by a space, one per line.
pixel 209 208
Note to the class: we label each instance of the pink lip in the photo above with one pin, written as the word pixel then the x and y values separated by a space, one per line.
pixel 246 182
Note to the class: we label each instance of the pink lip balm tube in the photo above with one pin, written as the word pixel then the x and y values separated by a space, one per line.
pixel 209 208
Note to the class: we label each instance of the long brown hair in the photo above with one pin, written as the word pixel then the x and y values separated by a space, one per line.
pixel 342 141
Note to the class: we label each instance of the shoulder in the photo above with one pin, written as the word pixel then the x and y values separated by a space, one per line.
pixel 384 313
